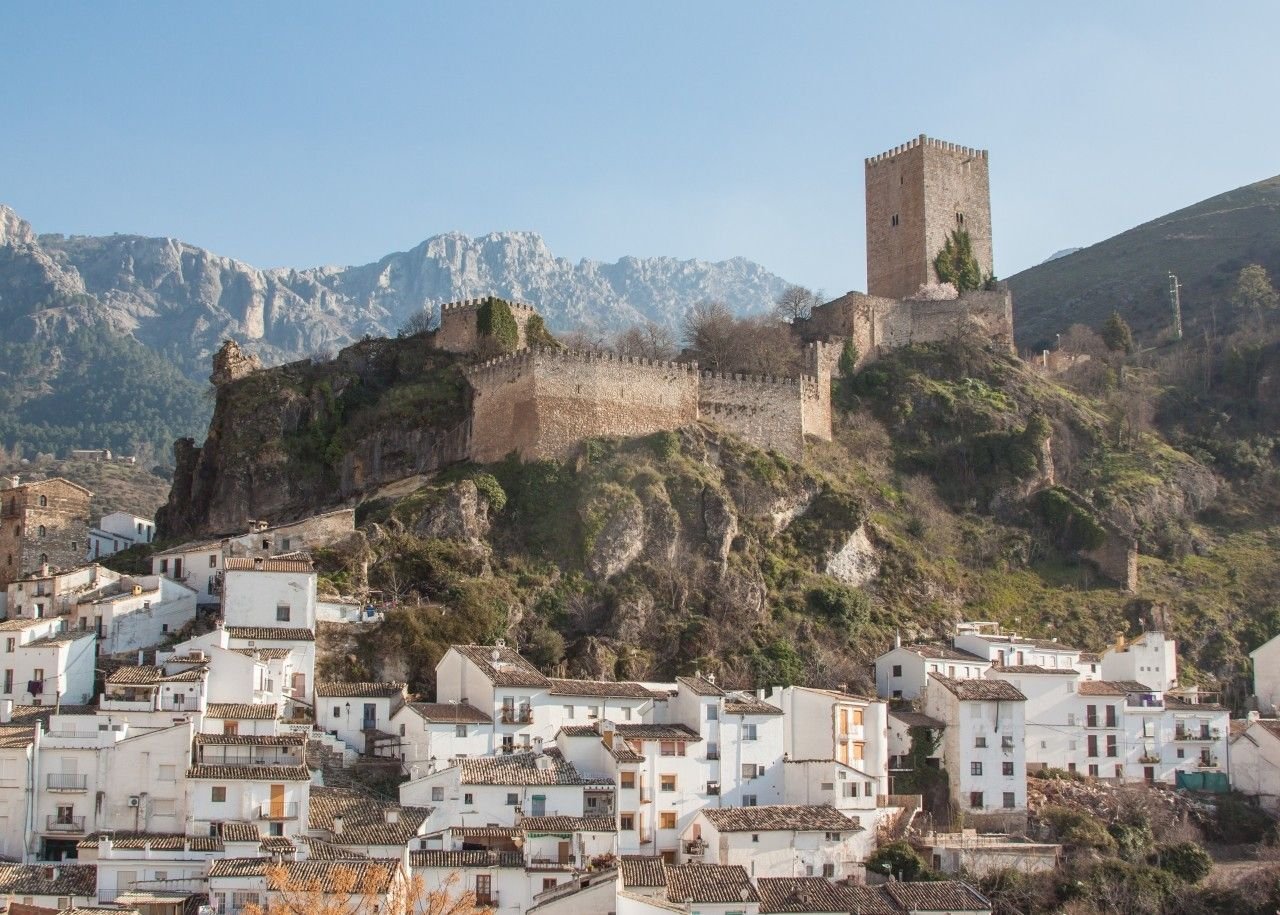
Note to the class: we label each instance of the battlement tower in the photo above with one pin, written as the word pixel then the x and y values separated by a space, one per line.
pixel 917 193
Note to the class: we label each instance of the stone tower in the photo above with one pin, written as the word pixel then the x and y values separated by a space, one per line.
pixel 917 194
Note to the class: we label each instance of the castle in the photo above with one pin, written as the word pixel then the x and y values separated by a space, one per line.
pixel 541 402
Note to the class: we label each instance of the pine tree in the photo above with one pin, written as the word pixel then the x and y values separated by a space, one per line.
pixel 1116 334
pixel 955 263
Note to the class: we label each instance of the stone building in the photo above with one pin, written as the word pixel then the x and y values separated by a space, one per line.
pixel 459 330
pixel 45 522
pixel 917 194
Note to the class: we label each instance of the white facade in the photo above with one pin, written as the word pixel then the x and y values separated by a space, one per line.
pixel 118 531
pixel 833 849
pixel 353 712
pixel 825 724
pixel 1255 762
pixel 143 614
pixel 269 593
pixel 41 661
pixel 1266 676
pixel 903 671
pixel 432 735
pixel 199 566
pixel 1150 659
pixel 56 593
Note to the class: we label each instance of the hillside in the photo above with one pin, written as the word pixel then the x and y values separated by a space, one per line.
pixel 961 484
pixel 1205 245
pixel 133 488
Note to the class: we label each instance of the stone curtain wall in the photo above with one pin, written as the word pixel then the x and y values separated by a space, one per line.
pixel 542 403
pixel 763 411
pixel 458 332
pixel 65 520
pixel 913 193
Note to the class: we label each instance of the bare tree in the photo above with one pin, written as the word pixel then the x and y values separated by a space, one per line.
pixel 649 340
pixel 796 303
pixel 419 322
pixel 361 888
pixel 585 340
pixel 708 331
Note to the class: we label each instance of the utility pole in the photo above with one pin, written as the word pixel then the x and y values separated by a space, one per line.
pixel 1175 299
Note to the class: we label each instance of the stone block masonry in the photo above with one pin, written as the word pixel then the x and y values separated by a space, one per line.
pixel 458 332
pixel 45 522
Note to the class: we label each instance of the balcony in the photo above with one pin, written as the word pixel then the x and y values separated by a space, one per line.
pixel 487 900
pixel 67 781
pixel 695 847
pixel 1192 735
pixel 516 716
pixel 1149 759
pixel 550 864
pixel 713 753
pixel 1210 762
pixel 282 811
pixel 64 824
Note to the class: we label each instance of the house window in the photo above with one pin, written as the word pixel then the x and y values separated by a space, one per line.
pixel 468 798
pixel 1010 800
pixel 1006 768
pixel 44 501
pixel 897 670
pixel 829 871
pixel 9 645
pixel 164 567
pixel 1006 743
pixel 548 883
pixel 282 613
pixel 713 713
pixel 755 837
pixel 626 779
pixel 980 742
pixel 337 711
pixel 833 837
pixel 460 730
pixel 1093 745
pixel 437 793
pixel 975 800
pixel 1112 748
pixel 168 773
pixel 975 768
pixel 894 220
pixel 667 819
pixel 626 714
pixel 213 561
pixel 626 821
pixel 667 782
pixel 513 799
pixel 1093 770
pixel 568 711
pixel 40 531
pixel 748 800
pixel 8 681
pixel 218 794
pixel 748 732
pixel 748 770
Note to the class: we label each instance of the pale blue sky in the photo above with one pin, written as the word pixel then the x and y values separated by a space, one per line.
pixel 302 134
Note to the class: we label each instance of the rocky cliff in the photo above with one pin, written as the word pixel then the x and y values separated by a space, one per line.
pixel 184 300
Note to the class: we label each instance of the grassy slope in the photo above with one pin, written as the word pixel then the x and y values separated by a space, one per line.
pixel 116 487
pixel 1205 245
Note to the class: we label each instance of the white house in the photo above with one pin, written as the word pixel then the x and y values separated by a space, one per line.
pixel 50 592
pixel 498 879
pixel 276 793
pixel 902 672
pixel 1150 659
pixel 197 565
pixel 433 734
pixel 1266 676
pixel 984 746
pixel 779 841
pixel 827 724
pixel 260 592
pixel 500 683
pixel 1010 649
pixel 359 714
pixel 825 782
pixel 1255 762
pixel 44 662
pixel 118 531
pixel 1054 714
pixel 166 864
pixel 136 613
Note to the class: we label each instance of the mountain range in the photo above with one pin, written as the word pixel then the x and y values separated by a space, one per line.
pixel 183 300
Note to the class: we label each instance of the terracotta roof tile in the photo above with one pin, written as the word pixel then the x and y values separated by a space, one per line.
pixel 980 690
pixel 567 824
pixel 158 841
pixel 917 719
pixel 643 870
pixel 240 831
pixel 658 732
pixel 242 710
pixel 484 832
pixel 502 665
pixel 364 818
pixel 803 894
pixel 710 883
pixel 784 817
pixel 328 689
pixel 251 564
pixel 450 713
pixel 605 689
pixel 254 740
pixel 743 704
pixel 324 874
pixel 940 896
pixel 271 633
pixel 1035 669
pixel 523 769
pixel 251 773
pixel 324 850
pixel 700 686
pixel 945 653
pixel 467 858
pixel 38 880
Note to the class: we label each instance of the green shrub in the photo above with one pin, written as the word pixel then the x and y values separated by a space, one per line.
pixel 1077 829
pixel 899 860
pixel 841 604
pixel 536 333
pixel 491 489
pixel 1185 860
pixel 495 321
pixel 1071 526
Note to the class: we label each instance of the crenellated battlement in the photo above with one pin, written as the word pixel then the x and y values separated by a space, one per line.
pixel 480 370
pixel 459 331
pixel 930 142
pixel 474 305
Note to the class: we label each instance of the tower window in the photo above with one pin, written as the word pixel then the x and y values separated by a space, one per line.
pixel 44 501
pixel 959 219
pixel 894 221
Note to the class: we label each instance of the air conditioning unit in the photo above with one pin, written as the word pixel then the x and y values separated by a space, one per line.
pixel 134 800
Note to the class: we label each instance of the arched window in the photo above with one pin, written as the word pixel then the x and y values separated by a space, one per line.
pixel 40 531
pixel 44 558
pixel 44 501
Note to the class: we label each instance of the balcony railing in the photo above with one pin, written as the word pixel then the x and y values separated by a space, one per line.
pixel 67 781
pixel 1210 763
pixel 1149 758
pixel 695 847
pixel 713 754
pixel 550 864
pixel 516 716
pixel 1202 734
pixel 283 811
pixel 56 823
pixel 487 900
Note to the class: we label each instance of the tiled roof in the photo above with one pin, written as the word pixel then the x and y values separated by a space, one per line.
pixel 785 817
pixel 324 850
pixel 710 883
pixel 193 546
pixel 484 832
pixel 871 900
pixel 273 633
pixel 450 713
pixel 1133 686
pixel 980 690
pixel 241 710
pixel 240 831
pixel 643 870
pixel 507 669
pixel 15 738
pixel 579 730
pixel 657 732
pixel 1035 669
pixel 467 858
pixel 147 675
pixel 1098 688
pixel 328 689
pixel 30 714
pixel 743 704
pixel 63 638
pixel 1270 725
pixel 803 894
pixel 38 880
pixel 604 689
pixel 700 686
pixel 917 719
pixel 249 564
pixel 115 909
pixel 568 824
pixel 1090 657
pixel 940 896
pixel 251 773
pixel 322 874
pixel 364 818
pixel 255 740
pixel 623 752
pixel 157 841
pixel 279 844
pixel 549 768
pixel 1181 705
pixel 945 653
pixel 18 624
pixel 263 654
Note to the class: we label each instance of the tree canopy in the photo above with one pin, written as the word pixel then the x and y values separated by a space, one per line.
pixel 956 264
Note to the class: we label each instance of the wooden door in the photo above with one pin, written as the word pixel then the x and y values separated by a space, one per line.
pixel 277 800
pixel 230 728
pixel 564 852
pixel 484 888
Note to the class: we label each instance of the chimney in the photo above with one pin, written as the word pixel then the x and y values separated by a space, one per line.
pixel 1119 641
pixel 392 816
pixel 6 711
pixel 257 562
pixel 337 825
pixel 1253 716
pixel 897 640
